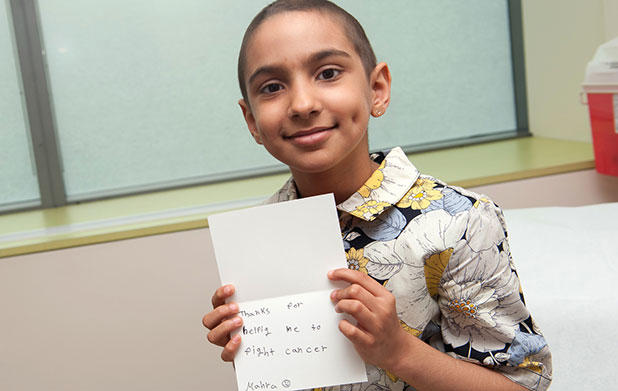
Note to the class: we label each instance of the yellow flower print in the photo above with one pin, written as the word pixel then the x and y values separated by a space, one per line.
pixel 394 378
pixel 409 329
pixel 374 181
pixel 369 208
pixel 420 195
pixel 356 260
pixel 478 202
pixel 434 267
pixel 532 365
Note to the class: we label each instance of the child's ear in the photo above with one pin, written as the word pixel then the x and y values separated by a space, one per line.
pixel 380 82
pixel 250 120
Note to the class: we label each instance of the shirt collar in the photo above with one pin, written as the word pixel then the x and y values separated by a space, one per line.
pixel 386 186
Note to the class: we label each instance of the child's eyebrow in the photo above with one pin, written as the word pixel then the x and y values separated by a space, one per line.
pixel 322 54
pixel 268 69
pixel 315 57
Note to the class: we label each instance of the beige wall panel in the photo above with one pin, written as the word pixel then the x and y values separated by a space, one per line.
pixel 573 189
pixel 121 316
pixel 560 37
pixel 611 19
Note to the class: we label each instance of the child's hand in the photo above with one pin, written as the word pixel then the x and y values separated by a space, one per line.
pixel 221 321
pixel 377 336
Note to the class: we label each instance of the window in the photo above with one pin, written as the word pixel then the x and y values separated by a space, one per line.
pixel 18 181
pixel 144 92
pixel 451 65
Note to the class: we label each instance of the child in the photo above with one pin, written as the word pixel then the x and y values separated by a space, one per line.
pixel 432 287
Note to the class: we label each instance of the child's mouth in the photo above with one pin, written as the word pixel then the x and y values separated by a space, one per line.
pixel 311 136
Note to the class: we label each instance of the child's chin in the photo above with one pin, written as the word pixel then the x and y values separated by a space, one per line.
pixel 314 167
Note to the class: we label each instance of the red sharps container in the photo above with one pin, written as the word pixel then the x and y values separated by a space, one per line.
pixel 601 88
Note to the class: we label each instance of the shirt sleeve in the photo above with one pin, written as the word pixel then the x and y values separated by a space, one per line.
pixel 484 318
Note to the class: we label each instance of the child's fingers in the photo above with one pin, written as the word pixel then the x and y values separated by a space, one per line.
pixel 230 349
pixel 356 277
pixel 356 292
pixel 358 311
pixel 221 294
pixel 357 336
pixel 220 335
pixel 216 316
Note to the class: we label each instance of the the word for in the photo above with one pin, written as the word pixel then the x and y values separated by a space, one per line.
pixel 305 350
pixel 294 306
pixel 259 351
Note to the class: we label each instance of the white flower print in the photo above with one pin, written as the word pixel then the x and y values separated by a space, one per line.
pixel 479 299
pixel 484 228
pixel 414 304
pixel 431 233
pixel 428 234
pixel 383 262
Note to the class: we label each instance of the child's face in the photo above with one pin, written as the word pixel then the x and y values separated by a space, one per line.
pixel 309 96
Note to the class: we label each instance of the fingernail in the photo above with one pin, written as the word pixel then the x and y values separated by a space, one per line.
pixel 237 321
pixel 233 307
pixel 330 274
pixel 227 290
pixel 236 338
pixel 333 295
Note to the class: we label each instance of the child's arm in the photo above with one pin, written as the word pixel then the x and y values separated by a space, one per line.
pixel 221 321
pixel 380 340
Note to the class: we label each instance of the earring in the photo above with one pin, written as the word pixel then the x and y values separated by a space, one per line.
pixel 377 112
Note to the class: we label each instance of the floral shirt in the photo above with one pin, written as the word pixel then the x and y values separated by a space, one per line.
pixel 443 252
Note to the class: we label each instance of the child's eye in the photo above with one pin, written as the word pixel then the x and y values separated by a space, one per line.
pixel 271 88
pixel 328 74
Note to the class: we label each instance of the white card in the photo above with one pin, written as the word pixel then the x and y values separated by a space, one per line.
pixel 288 343
pixel 276 255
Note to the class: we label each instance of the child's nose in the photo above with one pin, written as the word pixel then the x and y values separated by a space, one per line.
pixel 303 102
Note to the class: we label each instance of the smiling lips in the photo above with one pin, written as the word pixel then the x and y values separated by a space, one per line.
pixel 310 137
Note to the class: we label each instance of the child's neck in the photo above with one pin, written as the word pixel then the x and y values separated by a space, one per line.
pixel 341 181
